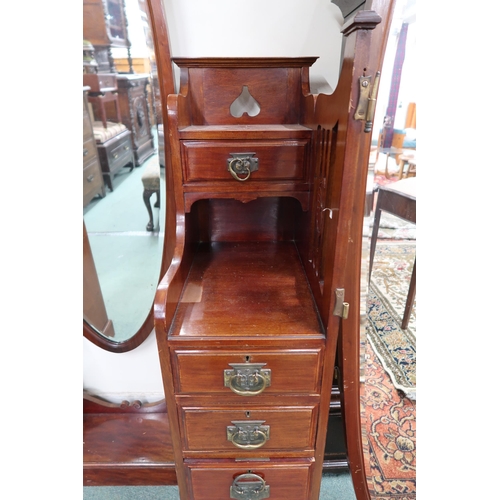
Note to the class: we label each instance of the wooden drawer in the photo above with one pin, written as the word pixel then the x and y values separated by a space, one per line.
pixel 92 181
pixel 280 160
pixel 100 82
pixel 116 152
pixel 291 371
pixel 250 429
pixel 89 152
pixel 285 480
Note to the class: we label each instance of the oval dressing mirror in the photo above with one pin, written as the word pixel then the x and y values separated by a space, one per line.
pixel 124 219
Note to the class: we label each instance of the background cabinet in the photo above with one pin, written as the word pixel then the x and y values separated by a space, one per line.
pixel 93 183
pixel 105 27
pixel 133 100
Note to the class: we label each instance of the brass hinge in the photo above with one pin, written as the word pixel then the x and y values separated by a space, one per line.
pixel 367 100
pixel 341 308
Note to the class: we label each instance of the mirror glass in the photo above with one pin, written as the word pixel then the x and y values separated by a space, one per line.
pixel 125 250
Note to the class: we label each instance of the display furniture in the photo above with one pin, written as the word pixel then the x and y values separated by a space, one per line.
pixel 133 101
pixel 288 240
pixel 247 316
pixel 105 27
pixel 114 145
pixel 93 183
pixel 400 199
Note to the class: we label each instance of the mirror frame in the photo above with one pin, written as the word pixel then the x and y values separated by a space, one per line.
pixel 157 22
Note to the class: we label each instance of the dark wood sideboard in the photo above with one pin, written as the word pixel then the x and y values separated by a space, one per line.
pixel 93 182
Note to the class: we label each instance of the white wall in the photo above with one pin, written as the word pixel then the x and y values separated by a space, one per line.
pixel 222 28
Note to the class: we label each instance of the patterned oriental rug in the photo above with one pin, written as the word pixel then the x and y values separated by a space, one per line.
pixel 390 435
pixel 395 348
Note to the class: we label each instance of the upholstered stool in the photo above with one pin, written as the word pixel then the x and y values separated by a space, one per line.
pixel 151 183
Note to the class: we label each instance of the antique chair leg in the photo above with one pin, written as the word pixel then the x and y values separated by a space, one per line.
pixel 147 201
pixel 157 204
pixel 411 297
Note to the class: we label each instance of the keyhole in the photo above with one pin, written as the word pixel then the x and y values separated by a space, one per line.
pixel 244 103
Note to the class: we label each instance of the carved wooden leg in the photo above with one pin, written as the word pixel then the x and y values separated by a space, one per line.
pixel 157 204
pixel 147 200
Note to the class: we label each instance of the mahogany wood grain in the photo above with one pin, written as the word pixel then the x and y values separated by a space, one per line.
pixel 246 289
pixel 292 429
pixel 278 160
pixel 127 444
pixel 201 371
pixel 288 479
pixel 241 290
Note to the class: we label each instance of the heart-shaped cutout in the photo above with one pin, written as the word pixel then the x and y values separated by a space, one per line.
pixel 244 103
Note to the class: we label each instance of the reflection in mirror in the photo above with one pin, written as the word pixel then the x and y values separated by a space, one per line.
pixel 124 221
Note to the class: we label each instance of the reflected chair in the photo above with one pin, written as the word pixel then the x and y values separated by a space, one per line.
pixel 151 183
pixel 399 199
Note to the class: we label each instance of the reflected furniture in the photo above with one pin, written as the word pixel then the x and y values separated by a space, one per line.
pixel 114 145
pixel 151 183
pixel 399 199
pixel 133 99
pixel 105 27
pixel 93 183
pixel 407 164
pixel 103 90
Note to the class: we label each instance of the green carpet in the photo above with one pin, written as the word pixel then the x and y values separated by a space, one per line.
pixel 334 486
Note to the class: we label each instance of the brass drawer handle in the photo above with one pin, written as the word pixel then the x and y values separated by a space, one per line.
pixel 90 178
pixel 85 152
pixel 248 435
pixel 247 379
pixel 242 164
pixel 115 155
pixel 249 487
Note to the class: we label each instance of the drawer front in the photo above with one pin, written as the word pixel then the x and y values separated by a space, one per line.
pixel 247 373
pixel 92 179
pixel 277 160
pixel 120 153
pixel 89 152
pixel 121 149
pixel 278 481
pixel 100 81
pixel 253 429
